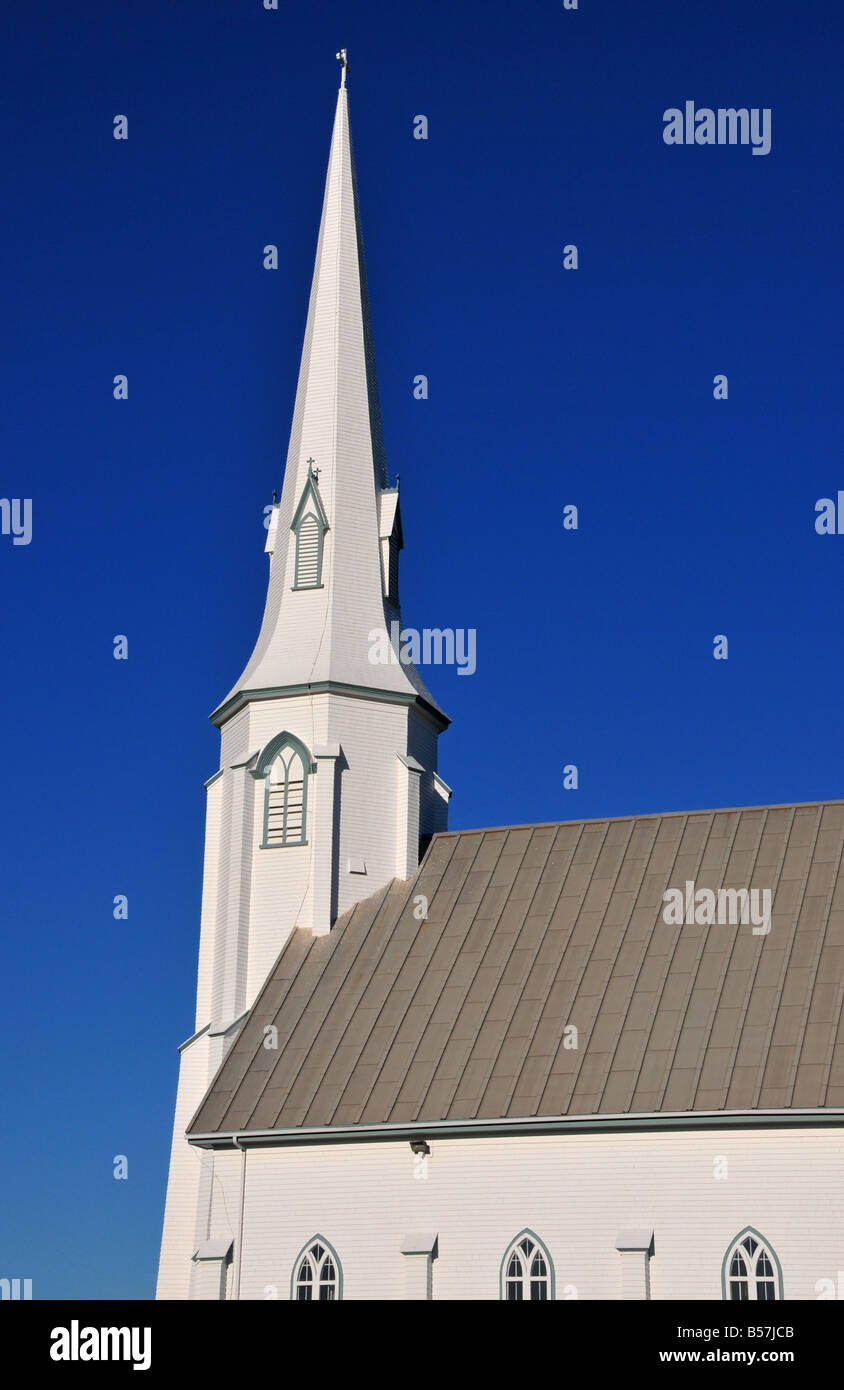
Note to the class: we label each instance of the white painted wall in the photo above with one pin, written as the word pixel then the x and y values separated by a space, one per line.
pixel 180 1237
pixel 577 1192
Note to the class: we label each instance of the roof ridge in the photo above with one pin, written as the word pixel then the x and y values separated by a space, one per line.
pixel 638 815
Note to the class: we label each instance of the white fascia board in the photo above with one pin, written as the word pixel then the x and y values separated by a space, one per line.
pixel 388 505
pixel 634 1240
pixel 248 763
pixel 222 1028
pixel 410 763
pixel 419 1243
pixel 328 750
pixel 187 1042
pixel 272 531
pixel 214 1249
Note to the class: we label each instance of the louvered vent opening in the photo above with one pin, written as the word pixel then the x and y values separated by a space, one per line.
pixel 393 577
pixel 307 553
pixel 286 801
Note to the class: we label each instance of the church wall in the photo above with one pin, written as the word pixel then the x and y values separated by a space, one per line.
pixel 223 1209
pixel 181 1208
pixel 234 739
pixel 371 736
pixel 422 745
pixel 230 985
pixel 210 900
pixel 261 895
pixel 218 925
pixel 577 1192
pixel 280 883
pixel 252 898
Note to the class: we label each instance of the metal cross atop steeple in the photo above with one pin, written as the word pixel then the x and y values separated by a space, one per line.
pixel 344 64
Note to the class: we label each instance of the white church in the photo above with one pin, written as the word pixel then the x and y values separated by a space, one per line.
pixel 433 1064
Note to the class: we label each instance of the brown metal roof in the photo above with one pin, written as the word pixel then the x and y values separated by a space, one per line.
pixel 461 1016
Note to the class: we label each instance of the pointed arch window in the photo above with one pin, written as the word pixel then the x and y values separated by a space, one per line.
pixel 527 1273
pixel 284 766
pixel 309 526
pixel 751 1271
pixel 317 1276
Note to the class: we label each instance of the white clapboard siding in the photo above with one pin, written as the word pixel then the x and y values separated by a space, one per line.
pixel 576 1193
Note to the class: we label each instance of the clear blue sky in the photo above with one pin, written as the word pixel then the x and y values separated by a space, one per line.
pixel 547 387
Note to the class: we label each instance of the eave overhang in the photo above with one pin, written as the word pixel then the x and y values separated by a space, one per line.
pixel 527 1125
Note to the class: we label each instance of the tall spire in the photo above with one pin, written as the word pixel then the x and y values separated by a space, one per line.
pixel 336 457
pixel 338 337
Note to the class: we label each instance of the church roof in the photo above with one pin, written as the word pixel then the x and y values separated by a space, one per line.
pixel 462 1016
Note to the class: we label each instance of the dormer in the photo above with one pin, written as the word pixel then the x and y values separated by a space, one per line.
pixel 309 526
pixel 391 541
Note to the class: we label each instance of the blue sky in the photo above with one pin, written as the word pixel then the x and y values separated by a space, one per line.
pixel 547 387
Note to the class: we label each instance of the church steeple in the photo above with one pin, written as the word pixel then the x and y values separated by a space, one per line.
pixel 329 675
pixel 333 569
pixel 328 782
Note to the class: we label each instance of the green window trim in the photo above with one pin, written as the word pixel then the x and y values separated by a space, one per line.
pixel 539 1248
pixel 309 526
pixel 305 1251
pixel 310 535
pixel 281 797
pixel 764 1244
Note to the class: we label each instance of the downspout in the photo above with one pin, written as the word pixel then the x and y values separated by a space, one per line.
pixel 239 1251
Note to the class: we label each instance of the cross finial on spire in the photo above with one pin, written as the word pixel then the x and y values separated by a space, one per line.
pixel 344 64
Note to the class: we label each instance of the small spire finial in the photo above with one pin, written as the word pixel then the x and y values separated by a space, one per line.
pixel 344 64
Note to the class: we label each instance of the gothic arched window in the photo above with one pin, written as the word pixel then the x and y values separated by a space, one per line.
pixel 526 1270
pixel 284 765
pixel 751 1270
pixel 317 1274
